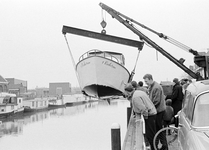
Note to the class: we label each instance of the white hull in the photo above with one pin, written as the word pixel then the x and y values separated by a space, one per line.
pixel 99 74
pixel 76 98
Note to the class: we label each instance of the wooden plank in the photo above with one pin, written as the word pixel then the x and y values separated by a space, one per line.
pixel 134 138
pixel 129 141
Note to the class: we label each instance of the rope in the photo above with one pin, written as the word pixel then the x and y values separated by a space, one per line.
pixel 73 61
pixel 71 55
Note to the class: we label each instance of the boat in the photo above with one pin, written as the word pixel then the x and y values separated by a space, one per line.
pixel 10 105
pixel 102 73
pixel 76 99
pixel 56 102
pixel 36 104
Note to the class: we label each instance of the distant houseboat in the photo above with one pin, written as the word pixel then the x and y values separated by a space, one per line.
pixel 36 104
pixel 56 102
pixel 10 104
pixel 75 99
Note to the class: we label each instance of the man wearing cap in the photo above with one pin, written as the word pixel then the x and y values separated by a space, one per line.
pixel 143 105
pixel 177 96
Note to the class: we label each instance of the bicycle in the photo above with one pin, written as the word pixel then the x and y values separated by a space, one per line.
pixel 166 139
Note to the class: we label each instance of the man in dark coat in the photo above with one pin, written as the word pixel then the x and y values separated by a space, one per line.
pixel 177 96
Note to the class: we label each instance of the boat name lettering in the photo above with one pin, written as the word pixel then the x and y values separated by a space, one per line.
pixel 84 63
pixel 108 64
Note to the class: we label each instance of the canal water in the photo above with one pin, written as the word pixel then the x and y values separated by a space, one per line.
pixel 81 127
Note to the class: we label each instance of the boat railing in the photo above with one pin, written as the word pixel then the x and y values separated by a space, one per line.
pixel 96 52
pixel 140 132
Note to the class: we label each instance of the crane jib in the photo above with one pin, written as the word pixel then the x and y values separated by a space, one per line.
pixel 120 17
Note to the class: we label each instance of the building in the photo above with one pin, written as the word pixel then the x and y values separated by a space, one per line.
pixel 3 84
pixel 42 92
pixel 59 88
pixel 16 86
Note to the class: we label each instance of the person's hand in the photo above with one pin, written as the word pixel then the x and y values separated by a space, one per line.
pixel 145 117
pixel 145 114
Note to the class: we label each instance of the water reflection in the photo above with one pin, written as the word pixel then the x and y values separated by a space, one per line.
pixel 76 127
pixel 11 127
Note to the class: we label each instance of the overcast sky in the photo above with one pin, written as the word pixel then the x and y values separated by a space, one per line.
pixel 33 47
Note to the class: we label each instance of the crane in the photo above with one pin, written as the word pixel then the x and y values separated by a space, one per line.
pixel 200 60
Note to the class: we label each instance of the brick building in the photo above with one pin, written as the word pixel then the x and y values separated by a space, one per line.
pixel 59 88
pixel 16 86
pixel 42 92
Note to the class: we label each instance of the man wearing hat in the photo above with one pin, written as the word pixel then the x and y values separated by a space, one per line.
pixel 143 105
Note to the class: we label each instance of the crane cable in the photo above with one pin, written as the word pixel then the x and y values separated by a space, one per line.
pixel 73 61
pixel 161 35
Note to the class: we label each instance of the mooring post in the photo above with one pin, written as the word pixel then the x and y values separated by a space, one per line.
pixel 129 109
pixel 115 137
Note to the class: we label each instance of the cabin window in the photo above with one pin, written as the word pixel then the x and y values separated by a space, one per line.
pixel 2 109
pixel 1 88
pixel 19 100
pixel 6 99
pixel 45 103
pixel 41 103
pixel 33 104
pixel 13 100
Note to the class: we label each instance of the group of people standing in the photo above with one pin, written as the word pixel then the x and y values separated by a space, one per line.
pixel 151 103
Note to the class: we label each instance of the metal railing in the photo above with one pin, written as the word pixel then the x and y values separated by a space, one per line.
pixel 96 52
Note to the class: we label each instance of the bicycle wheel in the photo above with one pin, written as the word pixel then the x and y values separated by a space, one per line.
pixel 166 139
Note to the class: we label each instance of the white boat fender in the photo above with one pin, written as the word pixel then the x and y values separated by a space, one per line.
pixel 0 122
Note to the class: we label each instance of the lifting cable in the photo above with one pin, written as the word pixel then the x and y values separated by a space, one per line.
pixel 73 61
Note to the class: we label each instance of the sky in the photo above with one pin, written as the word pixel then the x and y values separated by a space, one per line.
pixel 33 47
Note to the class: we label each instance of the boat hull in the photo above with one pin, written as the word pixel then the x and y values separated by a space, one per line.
pixel 56 103
pixel 56 106
pixel 76 99
pixel 37 104
pixel 6 114
pixel 28 109
pixel 99 76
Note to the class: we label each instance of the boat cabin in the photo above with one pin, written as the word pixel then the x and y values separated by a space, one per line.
pixel 37 103
pixel 117 57
pixel 10 102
